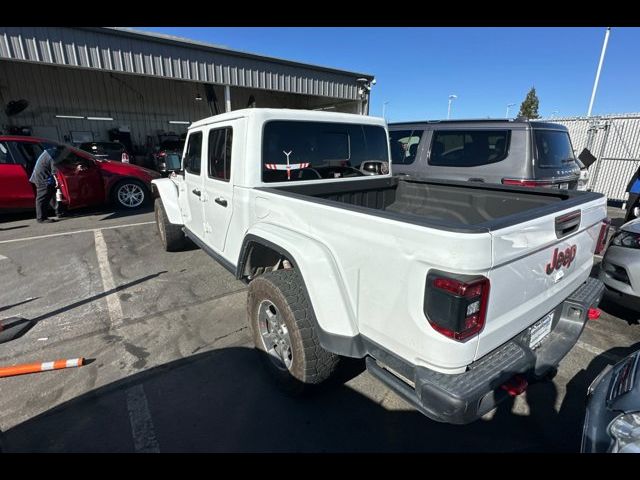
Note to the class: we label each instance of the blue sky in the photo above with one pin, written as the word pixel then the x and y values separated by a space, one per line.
pixel 487 68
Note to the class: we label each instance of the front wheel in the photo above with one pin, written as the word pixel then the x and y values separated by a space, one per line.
pixel 283 329
pixel 171 236
pixel 130 194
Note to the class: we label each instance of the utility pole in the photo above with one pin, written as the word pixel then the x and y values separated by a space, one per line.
pixel 595 83
pixel 451 98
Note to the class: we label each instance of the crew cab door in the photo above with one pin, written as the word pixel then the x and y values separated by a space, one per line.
pixel 218 186
pixel 15 189
pixel 192 196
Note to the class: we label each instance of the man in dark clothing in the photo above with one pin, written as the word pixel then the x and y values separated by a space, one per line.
pixel 44 180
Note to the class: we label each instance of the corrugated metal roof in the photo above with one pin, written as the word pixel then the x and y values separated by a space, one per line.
pixel 141 53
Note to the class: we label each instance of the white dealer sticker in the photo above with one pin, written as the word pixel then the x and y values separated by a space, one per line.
pixel 540 329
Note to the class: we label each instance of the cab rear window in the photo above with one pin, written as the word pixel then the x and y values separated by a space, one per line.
pixel 295 150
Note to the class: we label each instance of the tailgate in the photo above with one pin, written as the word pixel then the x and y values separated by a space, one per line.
pixel 536 265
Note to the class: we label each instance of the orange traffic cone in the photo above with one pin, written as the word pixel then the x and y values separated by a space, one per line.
pixel 40 367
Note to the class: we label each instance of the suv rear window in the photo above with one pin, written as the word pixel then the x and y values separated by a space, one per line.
pixel 404 145
pixel 554 149
pixel 468 148
pixel 295 150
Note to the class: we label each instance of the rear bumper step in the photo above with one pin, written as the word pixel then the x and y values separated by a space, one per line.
pixel 465 397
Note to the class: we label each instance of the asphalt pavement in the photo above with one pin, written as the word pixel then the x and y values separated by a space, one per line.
pixel 172 368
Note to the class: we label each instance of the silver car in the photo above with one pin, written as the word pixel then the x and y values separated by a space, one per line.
pixel 620 268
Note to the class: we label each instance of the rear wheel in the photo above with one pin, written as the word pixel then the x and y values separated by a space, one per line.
pixel 171 236
pixel 130 194
pixel 282 326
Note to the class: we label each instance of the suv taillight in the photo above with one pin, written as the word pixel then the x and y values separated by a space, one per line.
pixel 456 305
pixel 602 237
pixel 521 182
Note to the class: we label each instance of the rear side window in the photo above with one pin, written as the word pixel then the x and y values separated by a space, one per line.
pixel 5 155
pixel 29 153
pixel 554 149
pixel 468 148
pixel 220 153
pixel 193 157
pixel 404 145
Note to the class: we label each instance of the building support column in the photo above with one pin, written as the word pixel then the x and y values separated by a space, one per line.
pixel 227 98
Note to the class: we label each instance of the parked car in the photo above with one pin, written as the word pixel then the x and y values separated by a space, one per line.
pixel 167 155
pixel 510 152
pixel 84 180
pixel 107 151
pixel 620 267
pixel 612 417
pixel 455 294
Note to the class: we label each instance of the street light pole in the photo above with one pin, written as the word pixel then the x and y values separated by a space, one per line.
pixel 451 98
pixel 508 108
pixel 595 83
pixel 384 110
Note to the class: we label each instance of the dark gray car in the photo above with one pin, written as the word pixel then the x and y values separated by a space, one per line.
pixel 612 418
pixel 511 152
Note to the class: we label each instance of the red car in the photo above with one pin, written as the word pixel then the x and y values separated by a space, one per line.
pixel 84 180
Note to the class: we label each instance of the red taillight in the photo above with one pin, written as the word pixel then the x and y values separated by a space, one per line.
pixel 602 237
pixel 521 182
pixel 515 386
pixel 454 307
pixel 125 157
pixel 593 313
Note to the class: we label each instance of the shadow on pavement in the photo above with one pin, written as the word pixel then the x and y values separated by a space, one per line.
pixel 93 298
pixel 12 228
pixel 7 307
pixel 612 305
pixel 128 213
pixel 223 401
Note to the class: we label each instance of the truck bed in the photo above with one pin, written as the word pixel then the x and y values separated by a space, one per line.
pixel 449 205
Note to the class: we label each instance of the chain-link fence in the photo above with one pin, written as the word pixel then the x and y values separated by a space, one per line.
pixel 615 141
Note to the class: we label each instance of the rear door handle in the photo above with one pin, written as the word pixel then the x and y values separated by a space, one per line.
pixel 221 201
pixel 197 192
pixel 476 180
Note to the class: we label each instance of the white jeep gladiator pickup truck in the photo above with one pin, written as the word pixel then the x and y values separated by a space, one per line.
pixel 455 293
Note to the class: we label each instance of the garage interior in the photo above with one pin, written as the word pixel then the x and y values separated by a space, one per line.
pixel 80 84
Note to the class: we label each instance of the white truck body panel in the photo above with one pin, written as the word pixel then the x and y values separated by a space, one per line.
pixel 366 274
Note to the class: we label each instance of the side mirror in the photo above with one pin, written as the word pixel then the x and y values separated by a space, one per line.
pixel 374 167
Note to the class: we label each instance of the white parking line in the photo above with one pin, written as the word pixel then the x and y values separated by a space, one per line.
pixel 142 429
pixel 597 351
pixel 2 257
pixel 51 235
pixel 113 302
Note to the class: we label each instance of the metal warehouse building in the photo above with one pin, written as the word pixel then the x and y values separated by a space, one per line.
pixel 615 141
pixel 98 84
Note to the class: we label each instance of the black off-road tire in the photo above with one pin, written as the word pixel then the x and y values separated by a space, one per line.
pixel 310 364
pixel 171 236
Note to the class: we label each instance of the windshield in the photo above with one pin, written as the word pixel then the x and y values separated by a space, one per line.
pixel 554 149
pixel 170 145
pixel 294 150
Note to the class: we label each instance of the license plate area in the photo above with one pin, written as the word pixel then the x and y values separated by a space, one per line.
pixel 540 330
pixel 564 186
